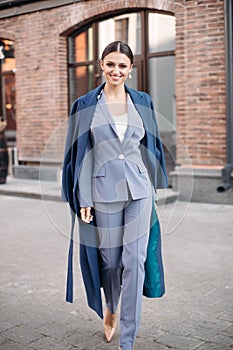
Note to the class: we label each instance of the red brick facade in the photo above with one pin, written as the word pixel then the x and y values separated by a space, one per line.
pixel 200 84
pixel 42 82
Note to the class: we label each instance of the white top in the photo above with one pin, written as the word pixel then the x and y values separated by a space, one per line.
pixel 121 123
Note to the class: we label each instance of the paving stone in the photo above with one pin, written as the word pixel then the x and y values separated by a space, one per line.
pixel 228 331
pixel 149 330
pixel 223 340
pixel 175 326
pixel 5 324
pixel 148 344
pixel 35 320
pixel 211 336
pixel 212 346
pixel 85 338
pixel 58 330
pixel 227 315
pixel 204 322
pixel 11 345
pixel 2 339
pixel 21 335
pixel 179 342
pixel 47 343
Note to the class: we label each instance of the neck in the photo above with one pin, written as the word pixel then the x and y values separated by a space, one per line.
pixel 115 91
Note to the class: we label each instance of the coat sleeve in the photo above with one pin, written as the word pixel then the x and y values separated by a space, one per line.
pixel 78 163
pixel 84 183
pixel 68 170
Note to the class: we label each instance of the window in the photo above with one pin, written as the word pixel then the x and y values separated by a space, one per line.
pixel 121 29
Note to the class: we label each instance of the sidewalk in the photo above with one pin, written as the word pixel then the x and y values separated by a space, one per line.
pixel 50 190
pixel 195 313
pixel 31 188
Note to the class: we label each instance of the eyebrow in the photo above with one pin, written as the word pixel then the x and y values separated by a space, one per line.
pixel 119 62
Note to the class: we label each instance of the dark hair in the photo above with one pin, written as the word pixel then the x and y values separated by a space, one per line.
pixel 118 46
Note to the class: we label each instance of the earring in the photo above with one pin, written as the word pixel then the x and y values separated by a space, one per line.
pixel 103 74
pixel 130 76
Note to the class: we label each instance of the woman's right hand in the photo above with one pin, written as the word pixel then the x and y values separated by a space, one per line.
pixel 86 215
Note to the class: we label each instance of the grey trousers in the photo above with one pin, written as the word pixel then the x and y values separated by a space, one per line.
pixel 123 229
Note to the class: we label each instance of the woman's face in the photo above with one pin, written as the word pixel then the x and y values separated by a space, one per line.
pixel 116 67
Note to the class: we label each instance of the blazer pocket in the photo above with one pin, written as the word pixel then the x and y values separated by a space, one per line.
pixel 141 169
pixel 99 172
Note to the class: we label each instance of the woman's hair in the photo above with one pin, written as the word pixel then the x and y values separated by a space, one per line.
pixel 118 46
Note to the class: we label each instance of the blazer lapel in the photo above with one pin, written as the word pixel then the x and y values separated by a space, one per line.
pixel 106 113
pixel 130 124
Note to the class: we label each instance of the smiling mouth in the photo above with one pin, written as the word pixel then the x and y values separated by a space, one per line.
pixel 115 76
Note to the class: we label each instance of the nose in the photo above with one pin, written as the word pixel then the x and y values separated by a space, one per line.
pixel 116 70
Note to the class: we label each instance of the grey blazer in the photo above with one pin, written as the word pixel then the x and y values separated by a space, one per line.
pixel 111 168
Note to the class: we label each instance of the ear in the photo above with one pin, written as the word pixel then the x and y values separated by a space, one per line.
pixel 102 64
pixel 131 68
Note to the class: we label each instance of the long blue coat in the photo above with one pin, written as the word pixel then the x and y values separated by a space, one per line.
pixel 78 140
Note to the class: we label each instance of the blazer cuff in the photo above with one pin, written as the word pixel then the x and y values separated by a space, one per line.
pixel 84 204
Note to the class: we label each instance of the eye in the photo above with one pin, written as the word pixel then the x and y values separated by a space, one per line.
pixel 123 66
pixel 109 64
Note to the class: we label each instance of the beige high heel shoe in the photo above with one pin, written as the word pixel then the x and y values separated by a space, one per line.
pixel 110 322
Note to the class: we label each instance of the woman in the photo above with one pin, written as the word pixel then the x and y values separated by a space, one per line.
pixel 113 165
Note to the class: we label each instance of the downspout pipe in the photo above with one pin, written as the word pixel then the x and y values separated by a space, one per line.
pixel 226 178
pixel 227 182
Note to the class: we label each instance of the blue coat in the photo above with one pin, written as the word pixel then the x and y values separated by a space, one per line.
pixel 78 140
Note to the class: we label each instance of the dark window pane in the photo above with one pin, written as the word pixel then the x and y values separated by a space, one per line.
pixel 81 47
pixel 81 81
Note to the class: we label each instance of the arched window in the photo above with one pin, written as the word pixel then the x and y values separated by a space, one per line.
pixel 151 35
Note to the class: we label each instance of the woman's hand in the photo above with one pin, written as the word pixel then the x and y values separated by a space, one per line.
pixel 86 215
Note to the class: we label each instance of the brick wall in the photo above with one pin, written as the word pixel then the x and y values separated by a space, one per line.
pixel 41 77
pixel 200 84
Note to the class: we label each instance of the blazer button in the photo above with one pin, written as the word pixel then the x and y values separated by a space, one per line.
pixel 121 156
